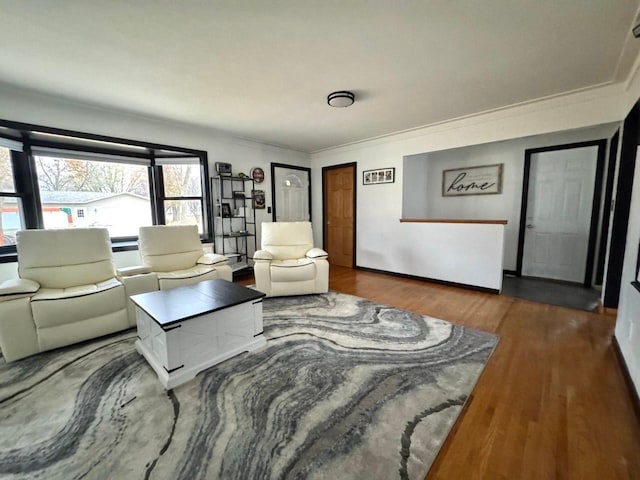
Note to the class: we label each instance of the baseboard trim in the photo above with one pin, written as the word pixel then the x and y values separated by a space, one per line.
pixel 635 398
pixel 510 272
pixel 433 280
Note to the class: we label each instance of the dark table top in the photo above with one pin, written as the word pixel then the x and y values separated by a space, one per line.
pixel 177 304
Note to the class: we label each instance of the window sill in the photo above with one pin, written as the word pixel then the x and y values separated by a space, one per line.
pixel 8 257
pixel 124 246
pixel 11 257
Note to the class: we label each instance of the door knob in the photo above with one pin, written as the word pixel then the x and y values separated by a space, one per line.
pixel 530 226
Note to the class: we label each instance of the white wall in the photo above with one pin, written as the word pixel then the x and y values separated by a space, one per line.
pixel 379 207
pixel 22 106
pixel 462 253
pixel 505 206
pixel 415 198
pixel 628 321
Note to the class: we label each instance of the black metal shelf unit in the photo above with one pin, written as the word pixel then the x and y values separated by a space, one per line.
pixel 234 225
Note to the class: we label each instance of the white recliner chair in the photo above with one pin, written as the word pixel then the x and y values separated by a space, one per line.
pixel 67 292
pixel 175 254
pixel 287 263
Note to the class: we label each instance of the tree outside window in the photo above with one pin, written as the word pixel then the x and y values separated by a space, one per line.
pixel 183 194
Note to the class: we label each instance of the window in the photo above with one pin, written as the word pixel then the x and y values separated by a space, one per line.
pixel 182 193
pixel 11 215
pixel 113 195
pixel 52 178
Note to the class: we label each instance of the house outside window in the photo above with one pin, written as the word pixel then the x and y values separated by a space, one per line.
pixel 114 195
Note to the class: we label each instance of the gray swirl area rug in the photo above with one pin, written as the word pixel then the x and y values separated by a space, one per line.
pixel 344 389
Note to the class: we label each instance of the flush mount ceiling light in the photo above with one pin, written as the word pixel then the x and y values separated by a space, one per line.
pixel 340 99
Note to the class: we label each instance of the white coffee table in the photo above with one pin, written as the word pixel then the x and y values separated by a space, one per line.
pixel 185 330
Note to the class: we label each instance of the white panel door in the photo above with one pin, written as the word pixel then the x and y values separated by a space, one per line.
pixel 561 188
pixel 291 195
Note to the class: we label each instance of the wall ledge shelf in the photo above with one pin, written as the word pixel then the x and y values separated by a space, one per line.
pixel 452 220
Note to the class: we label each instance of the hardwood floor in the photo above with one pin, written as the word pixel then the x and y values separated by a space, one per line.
pixel 552 402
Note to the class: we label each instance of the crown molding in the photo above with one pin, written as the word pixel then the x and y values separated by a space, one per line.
pixel 573 97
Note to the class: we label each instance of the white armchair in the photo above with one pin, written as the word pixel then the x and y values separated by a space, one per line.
pixel 174 253
pixel 287 263
pixel 67 292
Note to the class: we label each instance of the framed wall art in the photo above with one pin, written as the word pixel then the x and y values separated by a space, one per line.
pixel 480 180
pixel 258 199
pixel 223 168
pixel 225 210
pixel 257 174
pixel 381 175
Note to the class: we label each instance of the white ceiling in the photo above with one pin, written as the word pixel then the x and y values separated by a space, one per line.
pixel 262 69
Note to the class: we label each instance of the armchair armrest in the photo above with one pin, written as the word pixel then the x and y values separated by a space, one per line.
pixel 17 288
pixel 212 259
pixel 262 255
pixel 131 271
pixel 316 253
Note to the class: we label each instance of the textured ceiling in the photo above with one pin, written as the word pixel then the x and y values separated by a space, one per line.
pixel 262 70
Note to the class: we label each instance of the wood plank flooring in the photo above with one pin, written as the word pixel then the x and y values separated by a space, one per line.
pixel 552 402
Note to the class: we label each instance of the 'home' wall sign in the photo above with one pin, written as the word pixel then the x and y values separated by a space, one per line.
pixel 481 180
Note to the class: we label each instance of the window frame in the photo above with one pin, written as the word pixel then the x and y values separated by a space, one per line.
pixel 13 194
pixel 26 176
pixel 163 197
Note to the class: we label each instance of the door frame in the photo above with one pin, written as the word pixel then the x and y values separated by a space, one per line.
pixel 273 186
pixel 608 196
pixel 621 207
pixel 354 167
pixel 595 206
